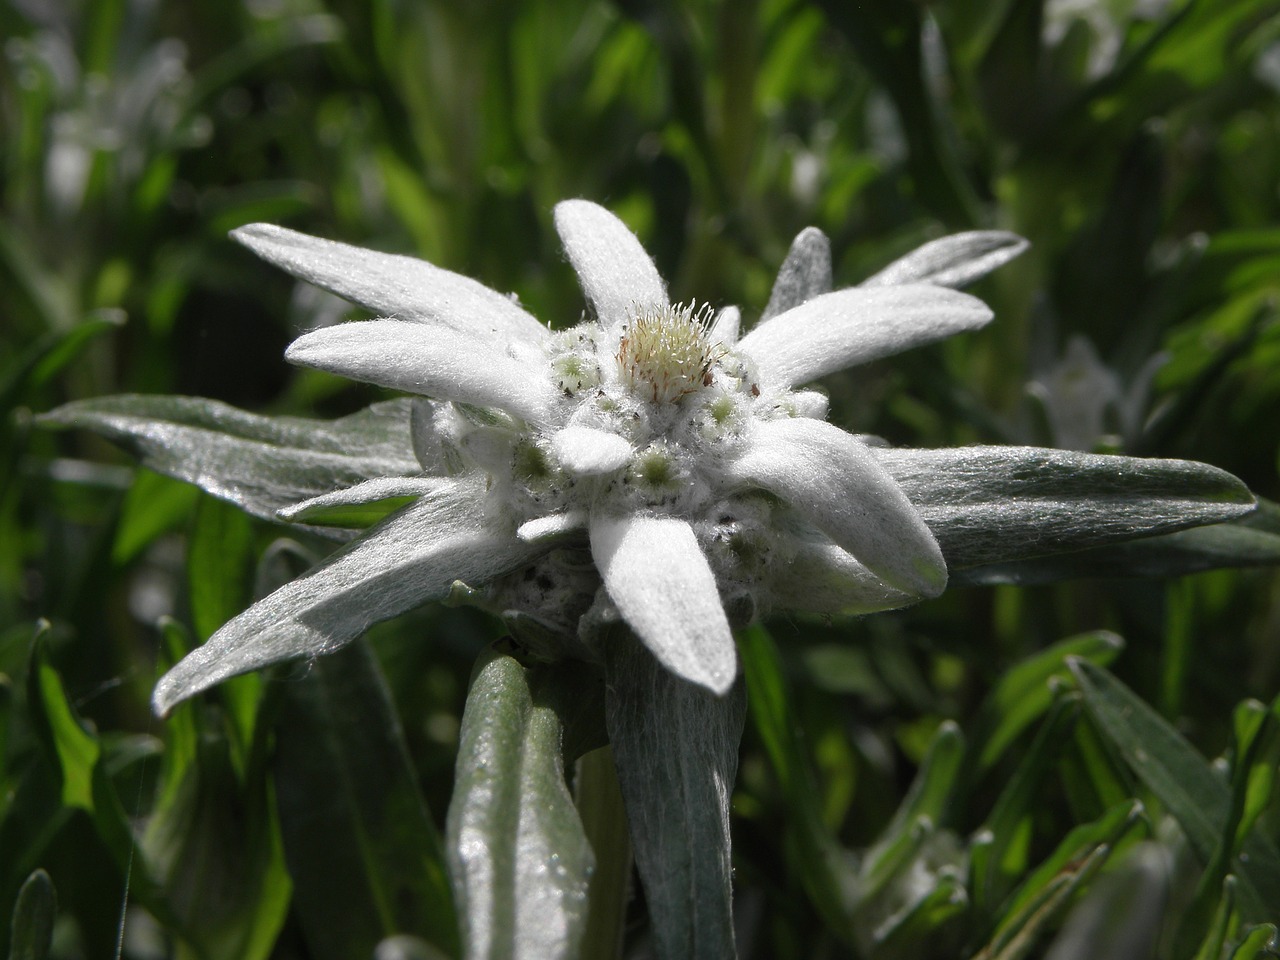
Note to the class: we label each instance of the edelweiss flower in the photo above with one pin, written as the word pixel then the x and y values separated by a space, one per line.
pixel 705 482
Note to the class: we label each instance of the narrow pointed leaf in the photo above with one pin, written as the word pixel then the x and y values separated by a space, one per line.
pixel 925 923
pixel 999 858
pixel 518 854
pixel 1256 761
pixel 411 558
pixel 81 759
pixel 358 837
pixel 617 275
pixel 1183 781
pixel 1253 763
pixel 726 327
pixel 260 463
pixel 992 504
pixel 1046 893
pixel 805 273
pixel 1025 691
pixel 50 354
pixel 392 285
pixel 1215 938
pixel 31 931
pixel 848 327
pixel 954 261
pixel 924 803
pixel 362 505
pixel 74 748
pixel 427 360
pixel 1252 540
pixel 824 578
pixel 827 870
pixel 676 749
pixel 220 556
pixel 1260 943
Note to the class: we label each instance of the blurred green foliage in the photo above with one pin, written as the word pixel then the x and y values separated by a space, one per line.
pixel 999 786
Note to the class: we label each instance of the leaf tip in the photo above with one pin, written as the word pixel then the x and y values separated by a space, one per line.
pixel 252 235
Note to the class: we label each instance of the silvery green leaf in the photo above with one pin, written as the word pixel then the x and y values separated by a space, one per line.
pixel 518 855
pixel 1170 555
pixel 411 558
pixel 263 464
pixel 805 273
pixel 990 505
pixel 676 749
pixel 429 360
pixel 1251 541
pixel 954 261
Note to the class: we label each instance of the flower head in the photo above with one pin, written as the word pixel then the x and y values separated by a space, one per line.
pixel 646 465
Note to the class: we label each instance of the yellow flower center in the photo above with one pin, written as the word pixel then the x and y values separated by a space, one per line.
pixel 667 354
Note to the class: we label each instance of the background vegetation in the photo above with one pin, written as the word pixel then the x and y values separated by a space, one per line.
pixel 1136 144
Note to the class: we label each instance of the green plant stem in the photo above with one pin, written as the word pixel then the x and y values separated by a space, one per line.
pixel 605 821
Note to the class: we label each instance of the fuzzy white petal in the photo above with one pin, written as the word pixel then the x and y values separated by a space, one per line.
pixel 832 479
pixel 393 285
pixel 554 525
pixel 725 328
pixel 587 452
pixel 411 558
pixel 371 491
pixel 823 578
pixel 657 576
pixel 954 261
pixel 616 273
pixel 805 274
pixel 848 327
pixel 429 360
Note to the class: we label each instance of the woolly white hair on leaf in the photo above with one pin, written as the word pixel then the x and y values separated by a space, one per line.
pixel 616 273
pixel 954 261
pixel 586 452
pixel 432 361
pixel 833 480
pixel 393 285
pixel 656 574
pixel 849 327
pixel 411 558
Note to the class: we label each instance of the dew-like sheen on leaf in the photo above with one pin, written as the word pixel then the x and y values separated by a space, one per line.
pixel 1002 504
pixel 411 558
pixel 263 464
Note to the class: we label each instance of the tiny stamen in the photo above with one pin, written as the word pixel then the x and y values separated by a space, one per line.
pixel 667 354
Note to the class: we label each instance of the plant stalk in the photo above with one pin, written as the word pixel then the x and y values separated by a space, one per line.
pixel 605 821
